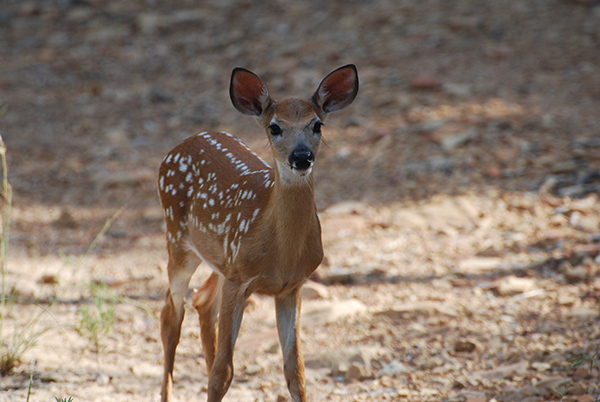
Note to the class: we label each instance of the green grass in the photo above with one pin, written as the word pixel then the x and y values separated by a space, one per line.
pixel 97 320
pixel 581 360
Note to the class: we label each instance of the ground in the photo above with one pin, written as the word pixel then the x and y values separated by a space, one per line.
pixel 458 194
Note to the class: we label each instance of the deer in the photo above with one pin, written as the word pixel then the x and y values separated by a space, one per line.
pixel 254 225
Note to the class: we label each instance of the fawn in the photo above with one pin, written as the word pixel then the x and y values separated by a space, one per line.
pixel 255 225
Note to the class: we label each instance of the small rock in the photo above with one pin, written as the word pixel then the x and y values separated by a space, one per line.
pixel 65 221
pixel 475 399
pixel 569 166
pixel 348 276
pixel 150 23
pixel 577 274
pixel 153 214
pixel 581 374
pixel 339 226
pixel 469 24
pixel 548 185
pixel 453 135
pixel 26 289
pixel 424 82
pixel 512 285
pixel 457 90
pixel 498 52
pixel 109 33
pixel 584 314
pixel 325 311
pixel 253 369
pixel 429 125
pixel 503 371
pixel 313 290
pixel 341 359
pixel 410 309
pixel 541 366
pixel 117 137
pixel 105 179
pixel 393 369
pixel 573 191
pixel 48 279
pixel 464 346
pixel 346 208
pixel 429 363
pixel 158 95
pixel 479 264
pixel 586 398
pixel 549 384
pixel 356 372
pixel 457 139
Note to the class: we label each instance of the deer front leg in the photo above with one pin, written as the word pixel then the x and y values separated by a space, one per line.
pixel 288 325
pixel 233 300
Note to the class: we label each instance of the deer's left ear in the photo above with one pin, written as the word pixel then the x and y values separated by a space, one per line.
pixel 338 89
pixel 248 93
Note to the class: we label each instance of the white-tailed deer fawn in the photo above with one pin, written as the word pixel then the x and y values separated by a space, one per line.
pixel 255 225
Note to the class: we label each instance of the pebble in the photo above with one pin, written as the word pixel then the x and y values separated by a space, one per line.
pixel 505 371
pixel 457 90
pixel 253 369
pixel 409 309
pixel 356 372
pixel 464 346
pixel 65 221
pixel 313 290
pixel 424 82
pixel 106 179
pixel 341 359
pixel 579 273
pixel 512 285
pixel 479 264
pixel 541 366
pixel 320 312
pixel 393 369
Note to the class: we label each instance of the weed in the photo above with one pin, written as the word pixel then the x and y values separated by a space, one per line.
pixel 98 319
pixel 580 360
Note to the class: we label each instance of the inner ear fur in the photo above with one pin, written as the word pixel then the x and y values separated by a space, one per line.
pixel 248 93
pixel 338 89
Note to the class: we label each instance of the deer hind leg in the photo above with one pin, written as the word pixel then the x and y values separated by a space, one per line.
pixel 180 272
pixel 207 301
pixel 287 308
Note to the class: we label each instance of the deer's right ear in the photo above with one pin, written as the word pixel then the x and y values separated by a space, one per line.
pixel 248 93
pixel 338 89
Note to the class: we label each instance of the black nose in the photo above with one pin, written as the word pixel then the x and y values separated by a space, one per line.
pixel 302 158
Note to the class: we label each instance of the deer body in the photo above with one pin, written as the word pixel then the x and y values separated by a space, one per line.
pixel 256 226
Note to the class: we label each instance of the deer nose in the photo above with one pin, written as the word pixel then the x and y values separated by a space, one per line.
pixel 302 158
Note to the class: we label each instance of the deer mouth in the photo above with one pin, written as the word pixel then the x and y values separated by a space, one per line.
pixel 302 171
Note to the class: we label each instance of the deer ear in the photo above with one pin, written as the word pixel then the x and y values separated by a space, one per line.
pixel 338 89
pixel 248 93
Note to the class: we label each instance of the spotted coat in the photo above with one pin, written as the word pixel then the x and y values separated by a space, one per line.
pixel 218 196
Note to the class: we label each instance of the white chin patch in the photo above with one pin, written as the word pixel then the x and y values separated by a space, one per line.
pixel 292 176
pixel 302 173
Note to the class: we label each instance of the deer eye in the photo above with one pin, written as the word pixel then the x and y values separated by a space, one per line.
pixel 275 130
pixel 317 127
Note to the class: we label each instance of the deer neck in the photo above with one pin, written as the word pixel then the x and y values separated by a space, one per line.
pixel 292 213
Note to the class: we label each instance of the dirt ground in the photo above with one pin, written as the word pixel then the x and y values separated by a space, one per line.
pixel 458 194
